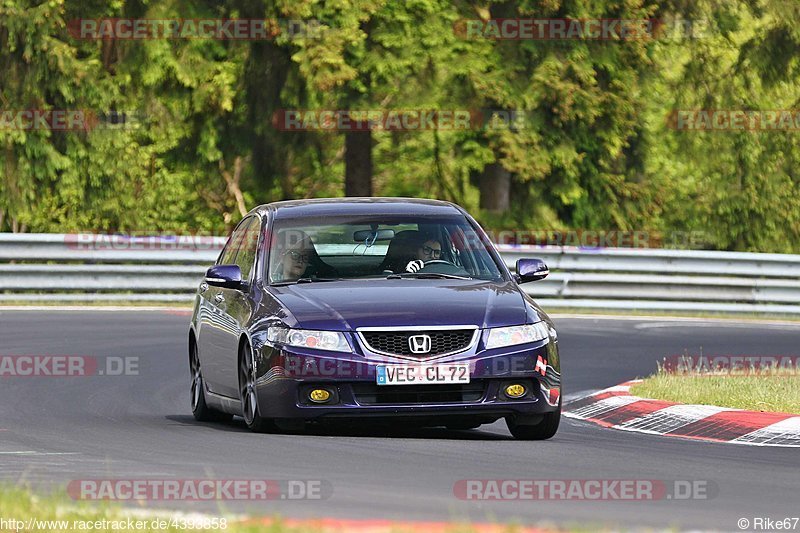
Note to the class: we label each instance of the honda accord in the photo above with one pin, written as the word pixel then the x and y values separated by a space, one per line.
pixel 382 309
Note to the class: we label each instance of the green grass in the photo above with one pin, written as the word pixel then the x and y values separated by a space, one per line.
pixel 52 510
pixel 21 504
pixel 772 392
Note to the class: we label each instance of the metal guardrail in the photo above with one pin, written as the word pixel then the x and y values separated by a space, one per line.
pixel 84 267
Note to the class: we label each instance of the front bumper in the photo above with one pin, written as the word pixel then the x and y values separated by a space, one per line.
pixel 285 376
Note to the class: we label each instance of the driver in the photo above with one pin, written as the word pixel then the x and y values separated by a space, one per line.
pixel 429 250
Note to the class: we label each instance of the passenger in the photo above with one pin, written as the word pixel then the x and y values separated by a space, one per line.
pixel 299 259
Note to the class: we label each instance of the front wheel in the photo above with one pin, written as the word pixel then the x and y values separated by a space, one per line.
pixel 200 409
pixel 247 393
pixel 543 430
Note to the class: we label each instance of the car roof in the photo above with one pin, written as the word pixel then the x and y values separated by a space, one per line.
pixel 321 207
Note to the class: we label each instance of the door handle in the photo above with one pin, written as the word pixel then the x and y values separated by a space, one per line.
pixel 219 298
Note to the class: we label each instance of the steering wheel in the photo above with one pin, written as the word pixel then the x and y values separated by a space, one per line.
pixel 445 261
pixel 442 266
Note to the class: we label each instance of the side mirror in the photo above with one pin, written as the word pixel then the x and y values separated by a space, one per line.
pixel 531 270
pixel 227 276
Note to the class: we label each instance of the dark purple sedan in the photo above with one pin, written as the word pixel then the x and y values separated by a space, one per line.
pixel 374 309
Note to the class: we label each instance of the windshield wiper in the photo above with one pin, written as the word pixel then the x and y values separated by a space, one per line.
pixel 425 275
pixel 304 280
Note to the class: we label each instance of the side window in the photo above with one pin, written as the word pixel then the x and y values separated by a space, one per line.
pixel 248 247
pixel 229 253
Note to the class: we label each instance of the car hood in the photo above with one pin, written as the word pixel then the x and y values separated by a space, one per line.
pixel 348 305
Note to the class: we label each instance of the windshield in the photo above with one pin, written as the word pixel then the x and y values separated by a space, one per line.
pixel 378 247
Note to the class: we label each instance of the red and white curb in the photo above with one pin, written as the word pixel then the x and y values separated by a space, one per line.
pixel 616 408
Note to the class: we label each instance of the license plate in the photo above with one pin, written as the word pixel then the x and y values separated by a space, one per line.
pixel 422 374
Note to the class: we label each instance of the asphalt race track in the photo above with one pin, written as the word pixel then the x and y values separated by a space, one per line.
pixel 57 429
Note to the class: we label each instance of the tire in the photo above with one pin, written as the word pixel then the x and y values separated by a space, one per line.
pixel 200 409
pixel 541 431
pixel 247 394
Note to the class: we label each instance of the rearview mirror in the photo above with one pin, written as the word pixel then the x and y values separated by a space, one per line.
pixel 227 276
pixel 373 235
pixel 531 270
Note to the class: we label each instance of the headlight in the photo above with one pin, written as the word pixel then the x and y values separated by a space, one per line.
pixel 307 338
pixel 499 337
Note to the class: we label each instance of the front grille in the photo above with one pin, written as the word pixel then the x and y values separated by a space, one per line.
pixel 396 342
pixel 372 394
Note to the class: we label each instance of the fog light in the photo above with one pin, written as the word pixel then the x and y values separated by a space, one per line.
pixel 319 395
pixel 516 391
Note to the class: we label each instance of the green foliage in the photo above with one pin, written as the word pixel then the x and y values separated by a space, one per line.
pixel 594 148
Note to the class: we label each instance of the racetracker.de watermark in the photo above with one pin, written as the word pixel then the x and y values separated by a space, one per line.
pixel 220 29
pixel 726 364
pixel 584 489
pixel 400 119
pixel 600 238
pixel 66 120
pixel 734 120
pixel 310 366
pixel 62 366
pixel 587 29
pixel 145 240
pixel 199 489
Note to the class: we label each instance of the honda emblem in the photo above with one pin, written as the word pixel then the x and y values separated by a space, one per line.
pixel 419 343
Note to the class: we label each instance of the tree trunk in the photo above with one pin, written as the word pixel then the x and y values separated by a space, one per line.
pixel 495 187
pixel 232 182
pixel 265 72
pixel 358 163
